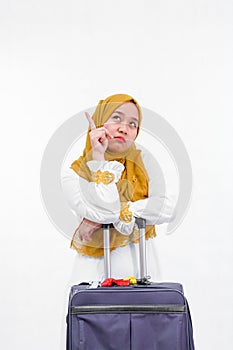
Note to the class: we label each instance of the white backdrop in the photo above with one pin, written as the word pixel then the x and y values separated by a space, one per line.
pixel 60 57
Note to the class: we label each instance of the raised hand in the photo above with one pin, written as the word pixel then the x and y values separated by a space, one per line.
pixel 99 138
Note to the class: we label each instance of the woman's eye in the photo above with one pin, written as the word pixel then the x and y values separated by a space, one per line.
pixel 116 117
pixel 133 124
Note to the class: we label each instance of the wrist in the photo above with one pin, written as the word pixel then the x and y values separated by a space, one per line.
pixel 97 156
pixel 91 223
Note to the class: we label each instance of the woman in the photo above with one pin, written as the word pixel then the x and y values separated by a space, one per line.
pixel 114 182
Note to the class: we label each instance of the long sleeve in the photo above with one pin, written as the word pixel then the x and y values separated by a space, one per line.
pixel 158 208
pixel 97 202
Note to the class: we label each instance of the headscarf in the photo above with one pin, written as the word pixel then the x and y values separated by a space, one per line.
pixel 132 186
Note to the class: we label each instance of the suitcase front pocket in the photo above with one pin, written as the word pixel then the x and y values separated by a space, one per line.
pixel 158 331
pixel 125 327
pixel 102 331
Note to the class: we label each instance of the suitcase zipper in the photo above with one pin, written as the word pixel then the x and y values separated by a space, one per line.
pixel 127 309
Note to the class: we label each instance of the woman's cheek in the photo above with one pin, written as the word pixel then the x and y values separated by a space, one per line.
pixel 109 127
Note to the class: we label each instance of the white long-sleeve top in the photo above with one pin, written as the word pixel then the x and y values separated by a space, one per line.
pixel 101 203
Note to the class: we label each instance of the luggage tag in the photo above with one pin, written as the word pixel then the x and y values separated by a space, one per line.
pixel 143 281
pixel 109 282
pixel 128 281
pixel 138 281
pixel 94 284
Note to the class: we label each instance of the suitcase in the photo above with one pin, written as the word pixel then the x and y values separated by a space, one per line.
pixel 146 315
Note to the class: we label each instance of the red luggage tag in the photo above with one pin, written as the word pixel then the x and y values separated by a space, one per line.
pixel 109 282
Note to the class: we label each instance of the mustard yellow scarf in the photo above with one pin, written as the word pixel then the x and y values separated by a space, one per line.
pixel 132 186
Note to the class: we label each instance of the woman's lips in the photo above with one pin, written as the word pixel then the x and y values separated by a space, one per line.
pixel 119 138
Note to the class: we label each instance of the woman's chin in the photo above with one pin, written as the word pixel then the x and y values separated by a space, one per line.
pixel 118 147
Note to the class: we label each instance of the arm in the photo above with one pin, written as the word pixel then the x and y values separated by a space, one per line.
pixel 98 202
pixel 158 208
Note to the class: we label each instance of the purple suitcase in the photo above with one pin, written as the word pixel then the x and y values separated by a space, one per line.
pixel 149 316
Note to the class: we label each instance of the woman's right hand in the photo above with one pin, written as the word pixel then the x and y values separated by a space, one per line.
pixel 99 139
pixel 86 229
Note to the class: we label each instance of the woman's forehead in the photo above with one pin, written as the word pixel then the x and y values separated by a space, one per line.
pixel 128 109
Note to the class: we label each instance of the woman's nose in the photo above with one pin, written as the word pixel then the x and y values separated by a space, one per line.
pixel 123 128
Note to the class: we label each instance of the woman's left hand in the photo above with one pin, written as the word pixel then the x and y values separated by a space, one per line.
pixel 86 230
pixel 99 138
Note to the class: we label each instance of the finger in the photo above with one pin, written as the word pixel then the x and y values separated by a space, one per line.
pixel 100 134
pixel 108 134
pixel 91 121
pixel 80 237
pixel 86 237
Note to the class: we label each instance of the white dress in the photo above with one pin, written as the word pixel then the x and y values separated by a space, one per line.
pixel 100 203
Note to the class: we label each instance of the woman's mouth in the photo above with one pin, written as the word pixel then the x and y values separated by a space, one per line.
pixel 119 138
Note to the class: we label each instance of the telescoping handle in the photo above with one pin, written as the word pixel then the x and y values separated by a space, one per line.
pixel 107 261
pixel 142 249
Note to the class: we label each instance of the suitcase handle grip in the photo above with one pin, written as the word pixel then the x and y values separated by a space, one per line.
pixel 141 223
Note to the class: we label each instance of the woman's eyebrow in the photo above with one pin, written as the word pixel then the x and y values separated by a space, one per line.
pixel 119 112
pixel 134 118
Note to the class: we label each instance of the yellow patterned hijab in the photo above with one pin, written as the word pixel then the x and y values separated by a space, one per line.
pixel 132 186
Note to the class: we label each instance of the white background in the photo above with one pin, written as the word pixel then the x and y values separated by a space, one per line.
pixel 60 57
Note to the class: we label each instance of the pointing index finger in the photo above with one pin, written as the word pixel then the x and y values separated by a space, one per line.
pixel 91 121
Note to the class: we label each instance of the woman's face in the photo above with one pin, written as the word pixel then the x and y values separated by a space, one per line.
pixel 123 125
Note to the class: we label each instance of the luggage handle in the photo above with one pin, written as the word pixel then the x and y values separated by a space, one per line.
pixel 141 223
